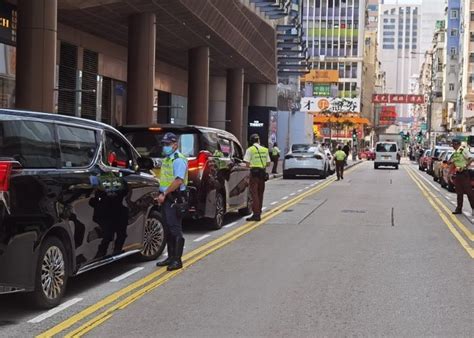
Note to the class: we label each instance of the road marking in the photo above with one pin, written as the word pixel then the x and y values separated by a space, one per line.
pixel 427 181
pixel 126 274
pixel 466 214
pixel 285 198
pixel 434 201
pixel 55 310
pixel 300 190
pixel 160 276
pixel 230 225
pixel 293 194
pixel 201 238
pixel 273 203
pixel 264 208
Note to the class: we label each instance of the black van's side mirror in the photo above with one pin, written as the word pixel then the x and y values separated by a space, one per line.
pixel 145 163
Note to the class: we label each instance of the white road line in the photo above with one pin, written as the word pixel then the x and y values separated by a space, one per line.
pixel 230 225
pixel 264 208
pixel 466 214
pixel 434 187
pixel 305 188
pixel 126 274
pixel 201 238
pixel 453 203
pixel 300 190
pixel 284 198
pixel 293 194
pixel 55 310
pixel 273 203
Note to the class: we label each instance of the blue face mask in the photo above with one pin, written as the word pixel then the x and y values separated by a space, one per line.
pixel 167 150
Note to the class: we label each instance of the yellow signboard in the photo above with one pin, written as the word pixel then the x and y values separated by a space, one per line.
pixel 322 76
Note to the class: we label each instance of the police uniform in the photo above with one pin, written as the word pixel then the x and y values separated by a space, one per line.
pixel 275 158
pixel 462 180
pixel 340 158
pixel 258 157
pixel 174 166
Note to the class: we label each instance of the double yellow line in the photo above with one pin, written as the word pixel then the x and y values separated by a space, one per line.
pixel 445 213
pixel 150 282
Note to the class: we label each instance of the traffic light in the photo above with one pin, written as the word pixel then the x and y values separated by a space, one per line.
pixel 354 134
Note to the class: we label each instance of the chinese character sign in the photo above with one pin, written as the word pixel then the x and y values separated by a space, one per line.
pixel 398 98
pixel 330 104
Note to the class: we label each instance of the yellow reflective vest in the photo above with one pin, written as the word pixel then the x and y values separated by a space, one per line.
pixel 167 175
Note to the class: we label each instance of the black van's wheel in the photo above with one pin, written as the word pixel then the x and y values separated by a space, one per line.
pixel 248 209
pixel 153 237
pixel 51 274
pixel 218 221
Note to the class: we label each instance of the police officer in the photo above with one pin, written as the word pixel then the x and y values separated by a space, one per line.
pixel 340 157
pixel 462 180
pixel 275 157
pixel 173 181
pixel 257 158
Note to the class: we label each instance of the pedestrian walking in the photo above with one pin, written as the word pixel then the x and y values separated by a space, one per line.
pixel 173 199
pixel 257 158
pixel 275 157
pixel 461 160
pixel 340 158
pixel 347 150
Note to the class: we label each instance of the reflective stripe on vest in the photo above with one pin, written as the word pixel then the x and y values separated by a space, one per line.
pixel 167 175
pixel 258 157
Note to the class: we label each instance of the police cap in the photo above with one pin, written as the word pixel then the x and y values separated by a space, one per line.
pixel 169 138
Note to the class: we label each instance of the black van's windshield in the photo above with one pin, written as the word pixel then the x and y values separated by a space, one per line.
pixel 148 142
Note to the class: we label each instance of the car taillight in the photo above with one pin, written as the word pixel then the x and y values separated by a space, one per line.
pixel 5 171
pixel 200 162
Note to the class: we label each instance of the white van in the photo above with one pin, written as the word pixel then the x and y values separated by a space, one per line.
pixel 386 154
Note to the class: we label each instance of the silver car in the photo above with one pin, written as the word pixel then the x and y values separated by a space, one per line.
pixel 307 160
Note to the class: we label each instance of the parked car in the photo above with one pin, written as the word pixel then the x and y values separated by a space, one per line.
pixel 307 160
pixel 218 176
pixel 423 161
pixel 439 165
pixel 448 172
pixel 72 198
pixel 435 153
pixel 368 154
pixel 386 154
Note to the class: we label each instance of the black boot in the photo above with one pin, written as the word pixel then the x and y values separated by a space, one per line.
pixel 254 218
pixel 170 243
pixel 176 262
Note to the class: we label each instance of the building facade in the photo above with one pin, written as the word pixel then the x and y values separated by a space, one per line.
pixel 199 62
pixel 466 99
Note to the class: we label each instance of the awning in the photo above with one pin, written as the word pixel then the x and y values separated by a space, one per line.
pixel 327 119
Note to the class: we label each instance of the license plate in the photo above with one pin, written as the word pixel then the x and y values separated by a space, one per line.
pixel 386 157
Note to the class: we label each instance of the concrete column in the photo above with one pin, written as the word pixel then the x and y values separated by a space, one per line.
pixel 36 54
pixel 217 102
pixel 263 95
pixel 141 68
pixel 235 101
pixel 245 119
pixel 198 86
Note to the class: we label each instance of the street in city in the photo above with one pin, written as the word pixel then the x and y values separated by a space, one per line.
pixel 375 254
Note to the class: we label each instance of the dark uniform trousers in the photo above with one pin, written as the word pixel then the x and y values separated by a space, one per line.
pixel 173 222
pixel 257 188
pixel 462 183
pixel 340 168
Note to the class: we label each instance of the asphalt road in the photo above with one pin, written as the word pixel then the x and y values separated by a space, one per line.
pixel 374 255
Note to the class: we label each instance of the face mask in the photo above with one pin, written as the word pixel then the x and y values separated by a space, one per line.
pixel 167 150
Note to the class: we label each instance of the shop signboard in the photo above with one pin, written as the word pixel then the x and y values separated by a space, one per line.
pixel 8 23
pixel 320 89
pixel 388 115
pixel 321 76
pixel 330 104
pixel 468 109
pixel 398 98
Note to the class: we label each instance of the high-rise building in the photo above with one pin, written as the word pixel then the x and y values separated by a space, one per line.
pixel 405 32
pixel 335 39
pixel 466 100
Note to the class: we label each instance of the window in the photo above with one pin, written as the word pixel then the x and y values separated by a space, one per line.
pixel 117 152
pixel 451 87
pixel 237 151
pixel 388 39
pixel 471 57
pixel 225 147
pixel 77 145
pixel 31 143
pixel 386 148
pixel 454 32
pixel 471 36
pixel 453 51
pixel 387 33
pixel 472 16
pixel 454 14
pixel 388 47
pixel 389 26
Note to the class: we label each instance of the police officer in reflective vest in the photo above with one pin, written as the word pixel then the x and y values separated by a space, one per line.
pixel 257 158
pixel 173 181
pixel 461 160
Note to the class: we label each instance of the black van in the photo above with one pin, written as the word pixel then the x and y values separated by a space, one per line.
pixel 72 198
pixel 218 176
